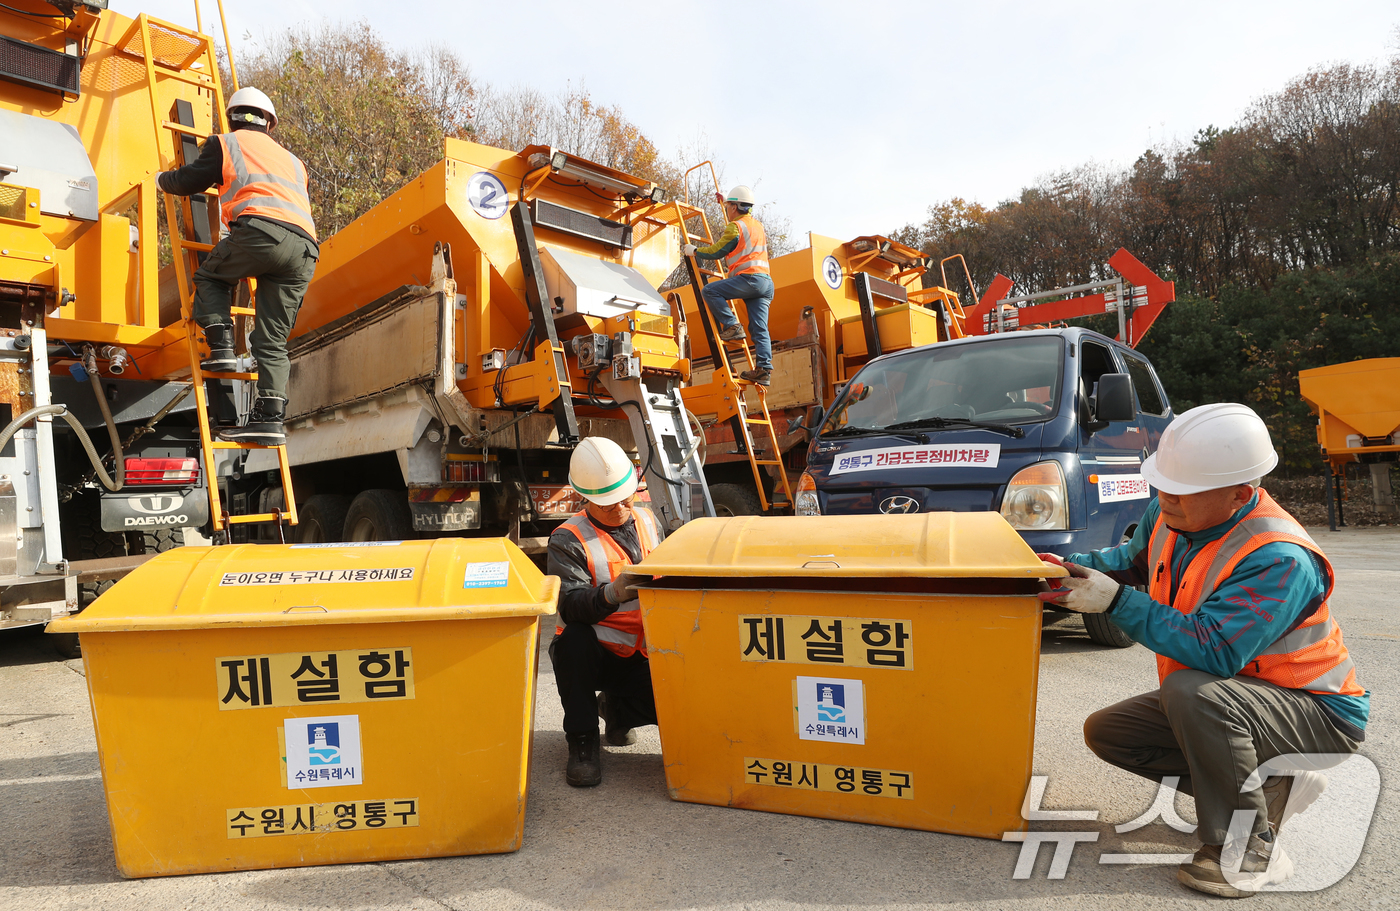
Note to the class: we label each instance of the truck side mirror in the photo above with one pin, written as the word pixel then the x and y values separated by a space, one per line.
pixel 809 421
pixel 1113 401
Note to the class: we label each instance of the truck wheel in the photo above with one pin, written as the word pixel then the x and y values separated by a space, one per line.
pixel 1103 631
pixel 735 500
pixel 321 519
pixel 155 541
pixel 379 515
pixel 84 539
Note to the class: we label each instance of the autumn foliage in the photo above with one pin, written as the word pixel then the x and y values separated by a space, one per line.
pixel 1282 233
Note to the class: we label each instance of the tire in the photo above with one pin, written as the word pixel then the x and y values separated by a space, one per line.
pixel 1103 631
pixel 84 539
pixel 321 519
pixel 155 541
pixel 735 500
pixel 378 515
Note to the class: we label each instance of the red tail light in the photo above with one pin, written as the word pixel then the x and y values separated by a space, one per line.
pixel 182 472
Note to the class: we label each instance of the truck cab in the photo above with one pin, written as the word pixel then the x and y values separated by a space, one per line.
pixel 1048 427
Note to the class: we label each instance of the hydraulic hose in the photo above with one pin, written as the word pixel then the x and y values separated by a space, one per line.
pixel 699 437
pixel 61 411
pixel 117 459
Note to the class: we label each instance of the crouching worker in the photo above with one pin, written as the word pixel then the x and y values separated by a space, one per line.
pixel 1250 661
pixel 599 652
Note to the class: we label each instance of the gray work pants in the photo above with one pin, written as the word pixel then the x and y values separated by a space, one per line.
pixel 1213 732
pixel 283 262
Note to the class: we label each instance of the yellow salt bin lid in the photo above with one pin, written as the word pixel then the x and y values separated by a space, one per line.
pixel 927 545
pixel 321 584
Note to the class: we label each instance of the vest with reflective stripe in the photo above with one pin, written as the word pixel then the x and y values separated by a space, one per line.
pixel 621 631
pixel 1310 656
pixel 262 178
pixel 750 254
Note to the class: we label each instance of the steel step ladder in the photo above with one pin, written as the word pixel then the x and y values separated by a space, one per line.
pixel 745 425
pixel 176 140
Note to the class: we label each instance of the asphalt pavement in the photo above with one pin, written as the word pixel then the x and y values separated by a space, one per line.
pixel 625 844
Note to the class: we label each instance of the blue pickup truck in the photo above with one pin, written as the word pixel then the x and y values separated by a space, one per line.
pixel 1049 427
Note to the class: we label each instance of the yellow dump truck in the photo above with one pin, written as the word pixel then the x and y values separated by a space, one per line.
pixel 106 469
pixel 461 336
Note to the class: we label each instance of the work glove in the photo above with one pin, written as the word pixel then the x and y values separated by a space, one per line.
pixel 1088 590
pixel 688 249
pixel 624 587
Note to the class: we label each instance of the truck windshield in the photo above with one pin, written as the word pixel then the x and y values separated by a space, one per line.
pixel 1004 381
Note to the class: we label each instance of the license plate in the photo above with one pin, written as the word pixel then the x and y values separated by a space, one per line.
pixel 555 501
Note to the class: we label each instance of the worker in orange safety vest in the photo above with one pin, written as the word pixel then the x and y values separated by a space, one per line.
pixel 1257 692
pixel 271 237
pixel 744 248
pixel 599 649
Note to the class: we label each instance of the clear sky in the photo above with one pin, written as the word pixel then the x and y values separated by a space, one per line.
pixel 852 118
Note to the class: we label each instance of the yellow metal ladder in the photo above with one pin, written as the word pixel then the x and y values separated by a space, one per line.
pixel 725 354
pixel 179 216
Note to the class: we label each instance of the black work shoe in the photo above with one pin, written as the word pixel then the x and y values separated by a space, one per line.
pixel 264 425
pixel 585 769
pixel 615 734
pixel 758 376
pixel 1288 795
pixel 732 334
pixel 221 357
pixel 1264 864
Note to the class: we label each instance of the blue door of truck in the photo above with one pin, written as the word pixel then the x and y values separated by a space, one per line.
pixel 1115 493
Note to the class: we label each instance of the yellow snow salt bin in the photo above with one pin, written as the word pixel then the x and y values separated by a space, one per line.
pixel 877 669
pixel 286 705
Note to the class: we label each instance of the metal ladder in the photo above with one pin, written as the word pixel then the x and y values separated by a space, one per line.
pixel 725 353
pixel 176 139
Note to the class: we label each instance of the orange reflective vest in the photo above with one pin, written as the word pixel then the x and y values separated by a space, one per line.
pixel 262 178
pixel 1310 656
pixel 750 254
pixel 621 631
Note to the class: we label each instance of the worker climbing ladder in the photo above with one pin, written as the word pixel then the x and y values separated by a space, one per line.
pixel 177 140
pixel 753 431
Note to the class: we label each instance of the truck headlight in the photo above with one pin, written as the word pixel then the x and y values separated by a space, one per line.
pixel 1035 498
pixel 807 504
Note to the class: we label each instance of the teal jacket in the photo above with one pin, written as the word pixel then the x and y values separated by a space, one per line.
pixel 1270 591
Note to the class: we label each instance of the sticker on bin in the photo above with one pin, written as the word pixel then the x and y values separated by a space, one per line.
pixel 972 455
pixel 320 576
pixel 323 752
pixel 1113 488
pixel 487 575
pixel 307 818
pixel 812 776
pixel 847 641
pixel 830 709
pixel 312 678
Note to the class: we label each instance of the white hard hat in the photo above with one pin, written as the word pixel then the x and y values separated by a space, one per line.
pixel 254 98
pixel 740 194
pixel 601 471
pixel 1210 447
